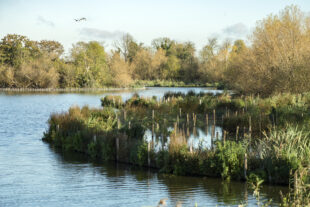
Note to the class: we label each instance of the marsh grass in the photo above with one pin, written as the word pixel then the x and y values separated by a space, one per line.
pixel 274 142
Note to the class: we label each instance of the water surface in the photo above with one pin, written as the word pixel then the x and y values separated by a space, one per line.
pixel 34 174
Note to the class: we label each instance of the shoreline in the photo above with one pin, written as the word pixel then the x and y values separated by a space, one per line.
pixel 95 89
pixel 66 89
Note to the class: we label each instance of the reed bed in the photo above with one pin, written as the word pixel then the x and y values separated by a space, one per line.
pixel 259 137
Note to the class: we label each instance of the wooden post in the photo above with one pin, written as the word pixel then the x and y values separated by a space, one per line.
pixel 237 133
pixel 148 154
pixel 187 119
pixel 175 129
pixel 153 114
pixel 207 124
pixel 213 131
pixel 194 118
pixel 162 142
pixel 153 131
pixel 245 165
pixel 118 123
pixel 117 148
pixel 214 118
pixel 250 126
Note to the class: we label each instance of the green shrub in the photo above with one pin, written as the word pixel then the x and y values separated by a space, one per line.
pixel 230 158
pixel 112 101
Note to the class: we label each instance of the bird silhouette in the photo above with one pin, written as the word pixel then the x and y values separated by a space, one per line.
pixel 80 19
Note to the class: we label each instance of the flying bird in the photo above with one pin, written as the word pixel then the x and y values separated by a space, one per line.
pixel 80 19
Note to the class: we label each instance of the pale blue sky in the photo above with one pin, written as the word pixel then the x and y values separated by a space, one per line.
pixel 182 20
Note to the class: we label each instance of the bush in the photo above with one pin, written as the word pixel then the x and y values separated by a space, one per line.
pixel 230 158
pixel 112 101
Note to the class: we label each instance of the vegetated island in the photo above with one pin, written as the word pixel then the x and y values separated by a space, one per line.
pixel 261 139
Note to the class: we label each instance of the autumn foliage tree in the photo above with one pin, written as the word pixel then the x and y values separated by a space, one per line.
pixel 24 64
pixel 278 59
pixel 120 71
pixel 275 59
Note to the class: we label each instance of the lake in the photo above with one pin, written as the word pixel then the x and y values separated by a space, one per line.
pixel 34 174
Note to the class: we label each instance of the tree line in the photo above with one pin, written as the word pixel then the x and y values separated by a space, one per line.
pixel 275 58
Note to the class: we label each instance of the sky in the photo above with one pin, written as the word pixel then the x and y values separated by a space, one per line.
pixel 106 21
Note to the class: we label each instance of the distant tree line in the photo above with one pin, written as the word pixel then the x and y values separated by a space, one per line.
pixel 276 58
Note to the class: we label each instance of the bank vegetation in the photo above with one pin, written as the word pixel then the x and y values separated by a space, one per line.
pixel 274 59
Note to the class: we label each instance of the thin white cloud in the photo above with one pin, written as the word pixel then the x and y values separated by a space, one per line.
pixel 42 20
pixel 238 29
pixel 101 34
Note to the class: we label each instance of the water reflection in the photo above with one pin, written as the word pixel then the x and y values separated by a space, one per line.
pixel 133 181
pixel 195 137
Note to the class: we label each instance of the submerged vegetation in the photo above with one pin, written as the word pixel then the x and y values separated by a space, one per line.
pixel 274 59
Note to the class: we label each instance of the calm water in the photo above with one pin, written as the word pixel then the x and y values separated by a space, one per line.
pixel 34 174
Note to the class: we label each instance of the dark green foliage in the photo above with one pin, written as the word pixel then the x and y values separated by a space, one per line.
pixel 279 169
pixel 112 101
pixel 230 156
pixel 136 101
pixel 136 130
